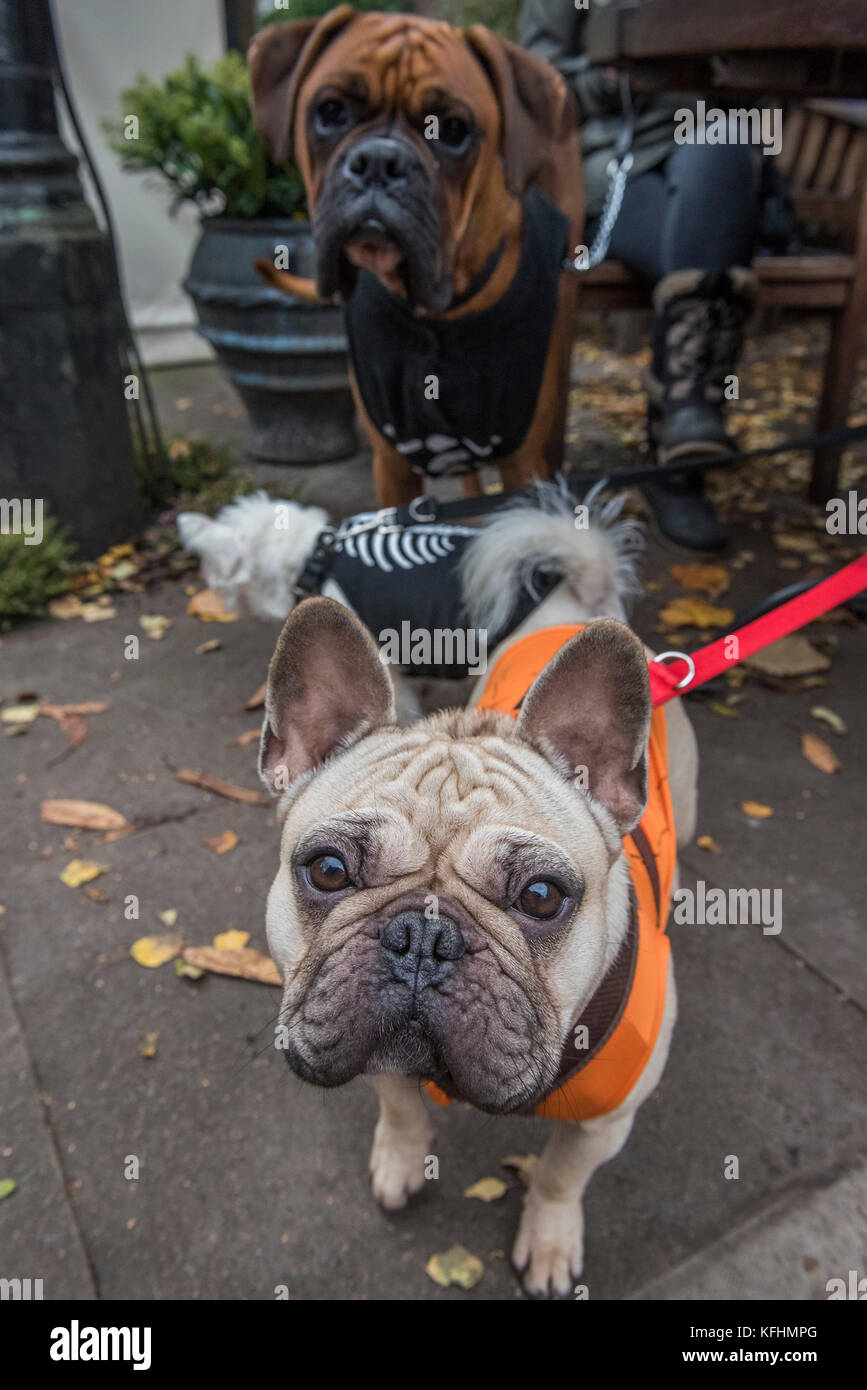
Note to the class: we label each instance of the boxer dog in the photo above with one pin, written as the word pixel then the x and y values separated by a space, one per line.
pixel 474 906
pixel 445 187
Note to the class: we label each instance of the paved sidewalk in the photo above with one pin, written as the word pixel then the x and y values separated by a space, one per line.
pixel 248 1178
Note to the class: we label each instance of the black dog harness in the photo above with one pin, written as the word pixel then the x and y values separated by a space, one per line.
pixel 393 569
pixel 452 395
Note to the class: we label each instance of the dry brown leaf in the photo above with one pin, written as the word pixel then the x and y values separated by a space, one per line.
pixel 210 608
pixel 795 542
pixel 69 606
pixel 222 843
pixel 247 737
pixel 522 1164
pixel 221 788
pixel 247 964
pixel 97 612
pixel 84 815
pixel 709 843
pixel 148 1045
pixel 694 612
pixel 153 951
pixel 96 895
pixel 455 1266
pixel 756 810
pixel 86 707
pixel 257 700
pixel 212 645
pixel 156 625
pixel 712 580
pixel 487 1189
pixel 790 656
pixel 817 752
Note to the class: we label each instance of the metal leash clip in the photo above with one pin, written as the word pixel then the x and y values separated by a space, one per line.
pixel 679 656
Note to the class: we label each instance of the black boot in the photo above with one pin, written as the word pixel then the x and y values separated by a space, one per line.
pixel 698 334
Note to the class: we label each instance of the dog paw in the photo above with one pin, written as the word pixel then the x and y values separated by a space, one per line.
pixel 548 1255
pixel 397 1165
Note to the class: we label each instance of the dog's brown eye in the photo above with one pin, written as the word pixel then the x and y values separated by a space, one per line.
pixel 541 899
pixel 328 873
pixel 332 112
pixel 454 132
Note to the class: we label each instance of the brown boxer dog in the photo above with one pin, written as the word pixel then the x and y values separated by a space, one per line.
pixel 445 184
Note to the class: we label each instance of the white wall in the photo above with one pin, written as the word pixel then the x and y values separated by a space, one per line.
pixel 106 43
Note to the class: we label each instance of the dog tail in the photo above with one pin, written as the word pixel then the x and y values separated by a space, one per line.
pixel 589 547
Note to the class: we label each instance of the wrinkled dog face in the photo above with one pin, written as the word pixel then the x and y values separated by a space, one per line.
pixel 397 124
pixel 441 903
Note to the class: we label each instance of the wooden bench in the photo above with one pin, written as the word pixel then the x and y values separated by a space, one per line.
pixel 824 157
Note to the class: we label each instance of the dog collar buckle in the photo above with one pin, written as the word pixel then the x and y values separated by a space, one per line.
pixel 679 656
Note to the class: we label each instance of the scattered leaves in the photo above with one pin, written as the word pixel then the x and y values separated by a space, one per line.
pixel 156 625
pixel 168 916
pixel 712 580
pixel 19 714
pixel 7 1187
pixel 152 951
pixel 522 1164
pixel 827 716
pixel 187 971
pixel 791 656
pixel 248 736
pixel 231 940
pixel 210 608
pixel 212 645
pixel 817 752
pixel 708 843
pixel 69 606
pixel 98 612
pixel 96 895
pixel 724 711
pixel 85 815
pixel 148 1045
pixel 694 612
pixel 216 784
pixel 455 1266
pixel 756 810
pixel 222 843
pixel 487 1189
pixel 80 871
pixel 247 964
pixel 257 699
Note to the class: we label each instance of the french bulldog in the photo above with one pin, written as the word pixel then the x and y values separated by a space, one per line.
pixel 450 896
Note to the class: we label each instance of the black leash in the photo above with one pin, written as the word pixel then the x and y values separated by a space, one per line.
pixel 427 508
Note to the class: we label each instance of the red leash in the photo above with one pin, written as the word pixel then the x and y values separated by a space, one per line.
pixel 688 672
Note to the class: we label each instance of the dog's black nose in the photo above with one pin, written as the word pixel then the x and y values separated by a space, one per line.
pixel 422 951
pixel 378 161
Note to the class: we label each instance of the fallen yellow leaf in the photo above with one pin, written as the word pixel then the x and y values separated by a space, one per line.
pixel 231 940
pixel 522 1164
pixel 222 843
pixel 756 810
pixel 709 843
pixel 80 871
pixel 455 1266
pixel 817 752
pixel 155 625
pixel 152 951
pixel 790 656
pixel 169 916
pixel 712 580
pixel 487 1189
pixel 210 608
pixel 827 716
pixel 148 1047
pixel 694 612
pixel 19 714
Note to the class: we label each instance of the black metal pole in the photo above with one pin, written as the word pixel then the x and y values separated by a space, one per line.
pixel 64 430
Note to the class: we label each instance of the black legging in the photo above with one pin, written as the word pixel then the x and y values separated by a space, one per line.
pixel 697 211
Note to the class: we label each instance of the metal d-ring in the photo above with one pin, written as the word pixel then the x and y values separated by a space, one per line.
pixel 679 656
pixel 422 518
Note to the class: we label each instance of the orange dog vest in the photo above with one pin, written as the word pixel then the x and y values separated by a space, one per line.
pixel 613 1039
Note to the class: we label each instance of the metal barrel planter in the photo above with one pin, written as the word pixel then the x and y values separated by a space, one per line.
pixel 287 359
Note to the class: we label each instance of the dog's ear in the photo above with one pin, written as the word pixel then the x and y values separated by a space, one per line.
pixel 537 107
pixel 590 709
pixel 279 58
pixel 327 688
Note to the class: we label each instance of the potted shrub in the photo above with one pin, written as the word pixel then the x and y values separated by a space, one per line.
pixel 288 360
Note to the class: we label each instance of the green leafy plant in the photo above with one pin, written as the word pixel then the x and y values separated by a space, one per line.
pixel 315 9
pixel 30 575
pixel 196 128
